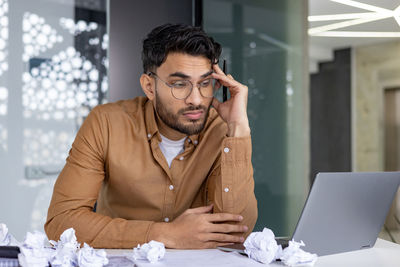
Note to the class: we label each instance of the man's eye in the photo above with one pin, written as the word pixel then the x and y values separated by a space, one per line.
pixel 205 83
pixel 179 84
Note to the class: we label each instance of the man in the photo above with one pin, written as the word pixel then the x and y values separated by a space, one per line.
pixel 174 166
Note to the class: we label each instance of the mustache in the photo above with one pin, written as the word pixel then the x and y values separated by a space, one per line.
pixel 192 108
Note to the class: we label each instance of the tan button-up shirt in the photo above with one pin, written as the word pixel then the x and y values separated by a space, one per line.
pixel 116 161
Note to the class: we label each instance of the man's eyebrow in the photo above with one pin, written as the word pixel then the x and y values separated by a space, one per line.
pixel 207 74
pixel 185 76
pixel 179 74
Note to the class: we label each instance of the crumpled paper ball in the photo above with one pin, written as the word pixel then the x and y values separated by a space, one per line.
pixel 262 246
pixel 293 255
pixel 35 240
pixel 152 251
pixel 36 252
pixel 65 250
pixel 33 251
pixel 88 257
pixel 5 237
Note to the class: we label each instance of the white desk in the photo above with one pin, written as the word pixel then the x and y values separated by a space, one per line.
pixel 383 254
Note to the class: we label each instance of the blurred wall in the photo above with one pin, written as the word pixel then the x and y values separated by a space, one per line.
pixel 330 99
pixel 130 22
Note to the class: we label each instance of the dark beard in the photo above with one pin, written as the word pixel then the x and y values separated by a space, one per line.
pixel 172 120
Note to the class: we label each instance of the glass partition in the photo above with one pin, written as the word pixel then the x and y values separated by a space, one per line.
pixel 264 43
pixel 53 71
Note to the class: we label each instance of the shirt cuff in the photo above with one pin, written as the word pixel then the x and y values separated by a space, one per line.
pixel 236 149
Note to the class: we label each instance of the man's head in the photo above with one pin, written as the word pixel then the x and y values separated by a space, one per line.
pixel 171 54
pixel 178 38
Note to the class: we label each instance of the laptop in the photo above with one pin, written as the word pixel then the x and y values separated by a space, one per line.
pixel 343 212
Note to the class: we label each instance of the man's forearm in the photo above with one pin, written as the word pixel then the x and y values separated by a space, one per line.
pixel 231 185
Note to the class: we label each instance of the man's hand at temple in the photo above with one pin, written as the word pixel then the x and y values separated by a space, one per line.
pixel 197 229
pixel 234 110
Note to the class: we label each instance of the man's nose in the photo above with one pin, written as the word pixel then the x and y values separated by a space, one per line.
pixel 195 98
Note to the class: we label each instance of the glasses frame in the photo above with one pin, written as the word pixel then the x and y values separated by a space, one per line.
pixel 191 89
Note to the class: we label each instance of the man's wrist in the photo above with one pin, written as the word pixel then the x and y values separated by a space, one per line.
pixel 158 232
pixel 238 129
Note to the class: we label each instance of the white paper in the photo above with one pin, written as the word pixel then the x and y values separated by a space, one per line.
pixel 200 258
pixel 88 257
pixel 293 255
pixel 68 237
pixel 5 237
pixel 66 250
pixel 35 240
pixel 262 246
pixel 152 251
pixel 33 251
pixel 28 258
pixel 120 260
pixel 36 252
pixel 65 256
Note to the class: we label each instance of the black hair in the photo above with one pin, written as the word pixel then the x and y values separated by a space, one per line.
pixel 177 38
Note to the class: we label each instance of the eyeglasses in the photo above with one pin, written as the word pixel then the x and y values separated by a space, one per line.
pixel 181 89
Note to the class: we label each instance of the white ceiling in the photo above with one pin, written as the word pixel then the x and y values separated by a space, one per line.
pixel 320 45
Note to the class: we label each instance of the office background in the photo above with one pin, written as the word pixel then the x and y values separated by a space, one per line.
pixel 316 103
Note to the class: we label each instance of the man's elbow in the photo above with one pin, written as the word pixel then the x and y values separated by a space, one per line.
pixel 50 230
pixel 250 215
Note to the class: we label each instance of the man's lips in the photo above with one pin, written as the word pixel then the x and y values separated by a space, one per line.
pixel 193 115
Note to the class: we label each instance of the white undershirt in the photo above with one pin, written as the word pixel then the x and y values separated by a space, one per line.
pixel 171 148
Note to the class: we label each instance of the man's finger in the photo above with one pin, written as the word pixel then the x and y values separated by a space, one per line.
pixel 218 69
pixel 201 210
pixel 215 244
pixel 225 80
pixel 225 238
pixel 228 82
pixel 224 217
pixel 228 228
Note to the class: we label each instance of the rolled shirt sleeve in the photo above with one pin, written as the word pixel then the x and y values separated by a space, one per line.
pixel 231 185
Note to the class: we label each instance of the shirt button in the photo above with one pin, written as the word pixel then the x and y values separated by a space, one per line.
pixel 181 158
pixel 226 150
pixel 166 219
pixel 226 189
pixel 148 135
pixel 195 142
pixel 171 187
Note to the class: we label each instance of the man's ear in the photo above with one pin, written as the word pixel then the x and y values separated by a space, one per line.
pixel 147 86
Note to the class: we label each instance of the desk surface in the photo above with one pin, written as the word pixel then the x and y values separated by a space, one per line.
pixel 383 254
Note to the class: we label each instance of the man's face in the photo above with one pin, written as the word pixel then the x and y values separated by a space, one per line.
pixel 188 115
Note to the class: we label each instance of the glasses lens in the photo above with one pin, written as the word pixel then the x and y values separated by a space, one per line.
pixel 181 89
pixel 208 87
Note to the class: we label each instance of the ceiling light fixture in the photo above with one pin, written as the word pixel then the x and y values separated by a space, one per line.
pixel 397 15
pixel 344 24
pixel 363 6
pixel 360 34
pixel 341 16
pixel 352 19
